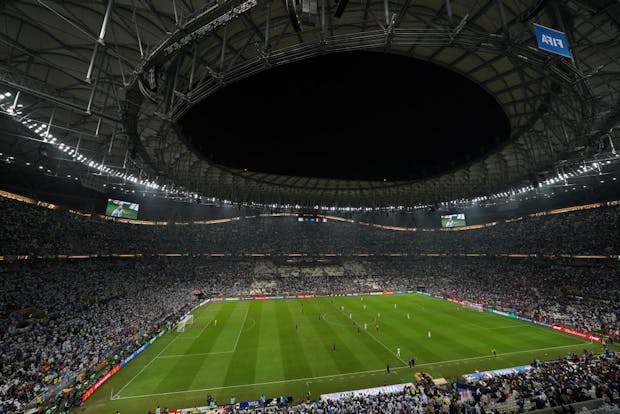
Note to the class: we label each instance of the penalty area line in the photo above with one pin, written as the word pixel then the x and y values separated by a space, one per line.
pixel 194 355
pixel 117 396
pixel 247 310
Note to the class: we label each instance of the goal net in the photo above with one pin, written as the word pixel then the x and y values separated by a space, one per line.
pixel 188 320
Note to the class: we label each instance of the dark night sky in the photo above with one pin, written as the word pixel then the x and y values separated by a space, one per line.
pixel 357 115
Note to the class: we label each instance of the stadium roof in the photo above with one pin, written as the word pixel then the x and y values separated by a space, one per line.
pixel 110 79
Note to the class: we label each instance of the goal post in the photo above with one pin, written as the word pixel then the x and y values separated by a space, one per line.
pixel 188 320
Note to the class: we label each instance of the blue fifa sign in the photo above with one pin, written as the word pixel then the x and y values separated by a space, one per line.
pixel 551 40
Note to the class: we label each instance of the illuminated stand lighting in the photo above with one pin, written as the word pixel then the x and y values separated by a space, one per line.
pixel 42 130
pixel 561 178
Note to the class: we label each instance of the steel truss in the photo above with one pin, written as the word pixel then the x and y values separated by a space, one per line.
pixel 119 74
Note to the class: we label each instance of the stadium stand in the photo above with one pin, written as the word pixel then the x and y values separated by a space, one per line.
pixel 554 385
pixel 496 108
pixel 32 230
pixel 566 381
pixel 54 313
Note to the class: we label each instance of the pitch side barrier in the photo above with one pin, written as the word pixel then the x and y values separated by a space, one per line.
pixel 503 372
pixel 511 315
pixel 469 304
pixel 24 257
pixel 275 401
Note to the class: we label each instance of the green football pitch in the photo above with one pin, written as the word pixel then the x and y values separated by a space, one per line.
pixel 286 347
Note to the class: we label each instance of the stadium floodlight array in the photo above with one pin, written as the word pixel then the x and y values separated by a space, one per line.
pixel 42 129
pixel 560 178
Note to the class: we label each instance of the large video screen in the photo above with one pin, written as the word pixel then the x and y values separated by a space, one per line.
pixel 122 209
pixel 311 219
pixel 453 220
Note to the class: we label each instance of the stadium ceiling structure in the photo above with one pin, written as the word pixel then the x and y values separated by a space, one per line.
pixel 109 79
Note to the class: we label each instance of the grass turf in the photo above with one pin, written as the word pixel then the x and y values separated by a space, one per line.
pixel 285 347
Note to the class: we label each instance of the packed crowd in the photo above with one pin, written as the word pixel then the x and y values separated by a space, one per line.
pixel 31 230
pixel 59 319
pixel 423 397
pixel 585 297
pixel 549 385
pixel 575 378
pixel 63 317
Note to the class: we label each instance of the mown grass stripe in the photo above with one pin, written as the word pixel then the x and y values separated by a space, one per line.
pixel 292 353
pixel 459 344
pixel 242 367
pixel 396 368
pixel 182 372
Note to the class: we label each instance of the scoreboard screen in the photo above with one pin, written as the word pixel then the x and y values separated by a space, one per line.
pixel 311 219
pixel 122 209
pixel 453 220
